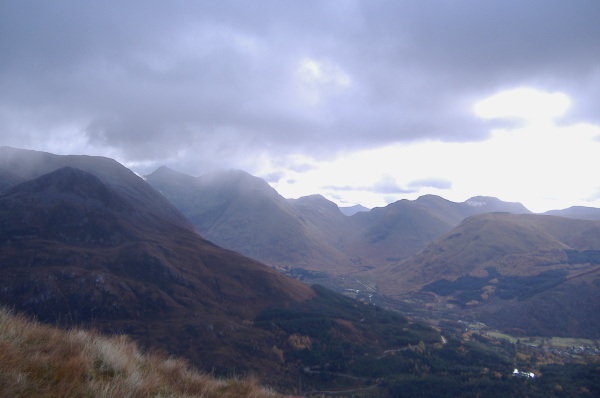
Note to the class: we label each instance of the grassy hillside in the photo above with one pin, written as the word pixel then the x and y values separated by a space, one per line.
pixel 37 360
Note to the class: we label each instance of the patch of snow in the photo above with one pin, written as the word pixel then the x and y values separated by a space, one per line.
pixel 475 203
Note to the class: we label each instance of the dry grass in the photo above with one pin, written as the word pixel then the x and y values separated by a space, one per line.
pixel 37 360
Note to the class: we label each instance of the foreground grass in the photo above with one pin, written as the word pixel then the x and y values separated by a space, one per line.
pixel 37 360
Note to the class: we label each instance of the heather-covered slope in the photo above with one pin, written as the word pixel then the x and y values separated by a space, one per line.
pixel 532 272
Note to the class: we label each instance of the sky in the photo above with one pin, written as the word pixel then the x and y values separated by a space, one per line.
pixel 361 101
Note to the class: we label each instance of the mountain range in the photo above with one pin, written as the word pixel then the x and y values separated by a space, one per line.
pixel 85 242
pixel 408 246
pixel 244 213
pixel 190 265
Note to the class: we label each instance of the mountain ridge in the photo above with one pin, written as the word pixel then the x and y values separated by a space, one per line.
pixel 244 213
pixel 316 233
pixel 77 250
pixel 20 165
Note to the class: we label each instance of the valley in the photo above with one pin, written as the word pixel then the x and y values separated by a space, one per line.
pixel 414 298
pixel 449 264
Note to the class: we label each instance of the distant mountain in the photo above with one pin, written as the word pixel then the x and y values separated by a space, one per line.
pixel 243 213
pixel 352 210
pixel 536 273
pixel 487 204
pixel 405 227
pixel 582 212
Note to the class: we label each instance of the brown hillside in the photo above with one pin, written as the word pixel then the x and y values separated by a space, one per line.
pixel 37 360
pixel 77 250
pixel 533 273
pixel 514 244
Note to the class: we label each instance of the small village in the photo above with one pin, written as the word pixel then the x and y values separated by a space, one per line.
pixel 573 348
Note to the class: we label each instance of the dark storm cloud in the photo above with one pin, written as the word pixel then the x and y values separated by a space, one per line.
pixel 222 81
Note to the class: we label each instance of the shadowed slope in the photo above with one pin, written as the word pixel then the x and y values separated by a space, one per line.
pixel 75 249
pixel 514 244
pixel 20 165
pixel 243 213
pixel 532 272
pixel 405 227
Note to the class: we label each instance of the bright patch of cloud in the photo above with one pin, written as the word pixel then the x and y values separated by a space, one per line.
pixel 542 166
pixel 525 103
pixel 318 79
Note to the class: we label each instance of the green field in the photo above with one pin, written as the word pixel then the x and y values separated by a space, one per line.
pixel 558 342
pixel 498 335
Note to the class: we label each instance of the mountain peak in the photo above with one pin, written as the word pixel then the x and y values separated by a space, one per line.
pixel 163 170
pixel 72 182
pixel 21 165
pixel 164 173
pixel 431 199
pixel 493 204
pixel 351 210
pixel 317 202
pixel 239 181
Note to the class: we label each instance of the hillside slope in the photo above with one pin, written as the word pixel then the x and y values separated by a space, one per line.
pixel 243 213
pixel 406 227
pixel 508 267
pixel 19 165
pixel 582 212
pixel 81 249
pixel 37 360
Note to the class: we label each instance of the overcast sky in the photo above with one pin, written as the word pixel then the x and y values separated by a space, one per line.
pixel 362 101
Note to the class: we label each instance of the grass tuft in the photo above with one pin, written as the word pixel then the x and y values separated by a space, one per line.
pixel 43 361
